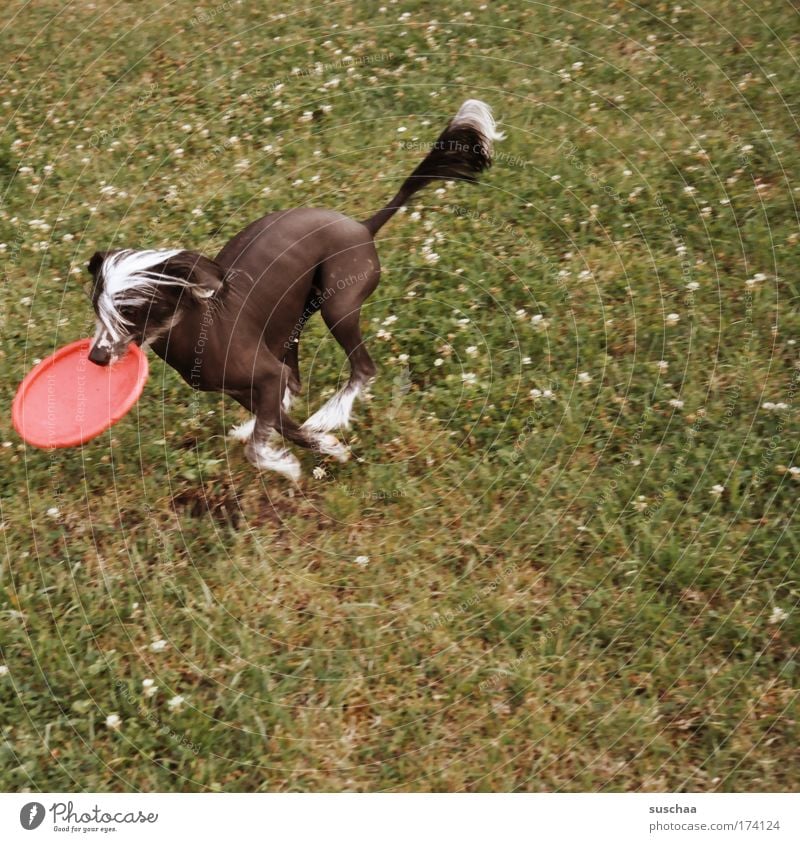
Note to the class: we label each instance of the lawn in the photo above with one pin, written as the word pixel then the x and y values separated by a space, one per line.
pixel 564 556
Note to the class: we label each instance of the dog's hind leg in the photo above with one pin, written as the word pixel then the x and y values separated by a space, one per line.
pixel 341 313
pixel 319 441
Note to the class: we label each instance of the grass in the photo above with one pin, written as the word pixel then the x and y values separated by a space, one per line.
pixel 556 596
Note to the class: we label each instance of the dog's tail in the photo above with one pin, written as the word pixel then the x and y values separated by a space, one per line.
pixel 462 152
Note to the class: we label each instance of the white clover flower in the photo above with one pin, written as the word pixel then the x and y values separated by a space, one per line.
pixel 472 351
pixel 672 319
pixel 692 286
pixel 361 560
pixel 535 393
pixel 662 365
pixel 795 472
pixel 175 702
pixel 3 670
pixel 438 362
pixel 53 511
pixel 640 504
pixel 403 358
pixel 584 377
pixel 756 279
pixel 778 615
pixel 149 687
pixel 113 721
pixel 389 320
pixel 469 378
pixel 689 190
pixel 319 472
pixel 717 490
pixel 677 403
pixel 158 645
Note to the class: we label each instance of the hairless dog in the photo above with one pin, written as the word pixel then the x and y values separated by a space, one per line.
pixel 233 324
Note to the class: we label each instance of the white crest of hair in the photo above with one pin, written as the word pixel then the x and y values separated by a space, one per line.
pixel 127 277
pixel 478 115
pixel 335 414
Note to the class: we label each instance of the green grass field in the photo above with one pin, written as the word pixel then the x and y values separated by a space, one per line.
pixel 565 555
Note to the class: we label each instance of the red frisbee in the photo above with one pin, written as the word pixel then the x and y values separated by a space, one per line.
pixel 67 400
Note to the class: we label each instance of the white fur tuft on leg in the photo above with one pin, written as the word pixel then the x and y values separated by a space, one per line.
pixel 335 414
pixel 331 446
pixel 243 432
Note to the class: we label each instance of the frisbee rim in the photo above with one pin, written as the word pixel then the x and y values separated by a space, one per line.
pixel 75 440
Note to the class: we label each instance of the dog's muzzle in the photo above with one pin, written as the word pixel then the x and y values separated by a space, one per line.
pixel 105 350
pixel 99 356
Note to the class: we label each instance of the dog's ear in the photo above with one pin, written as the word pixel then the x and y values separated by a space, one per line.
pixel 95 262
pixel 205 277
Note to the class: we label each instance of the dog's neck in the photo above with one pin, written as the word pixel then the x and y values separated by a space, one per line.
pixel 183 340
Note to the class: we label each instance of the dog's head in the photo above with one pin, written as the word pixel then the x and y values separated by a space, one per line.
pixel 139 295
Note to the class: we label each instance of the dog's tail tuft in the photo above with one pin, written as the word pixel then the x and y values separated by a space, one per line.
pixel 462 152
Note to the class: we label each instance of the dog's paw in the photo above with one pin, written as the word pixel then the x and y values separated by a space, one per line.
pixel 268 458
pixel 331 446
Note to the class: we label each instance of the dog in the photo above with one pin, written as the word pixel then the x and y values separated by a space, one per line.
pixel 233 324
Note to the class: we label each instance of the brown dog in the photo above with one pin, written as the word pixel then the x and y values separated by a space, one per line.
pixel 233 324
